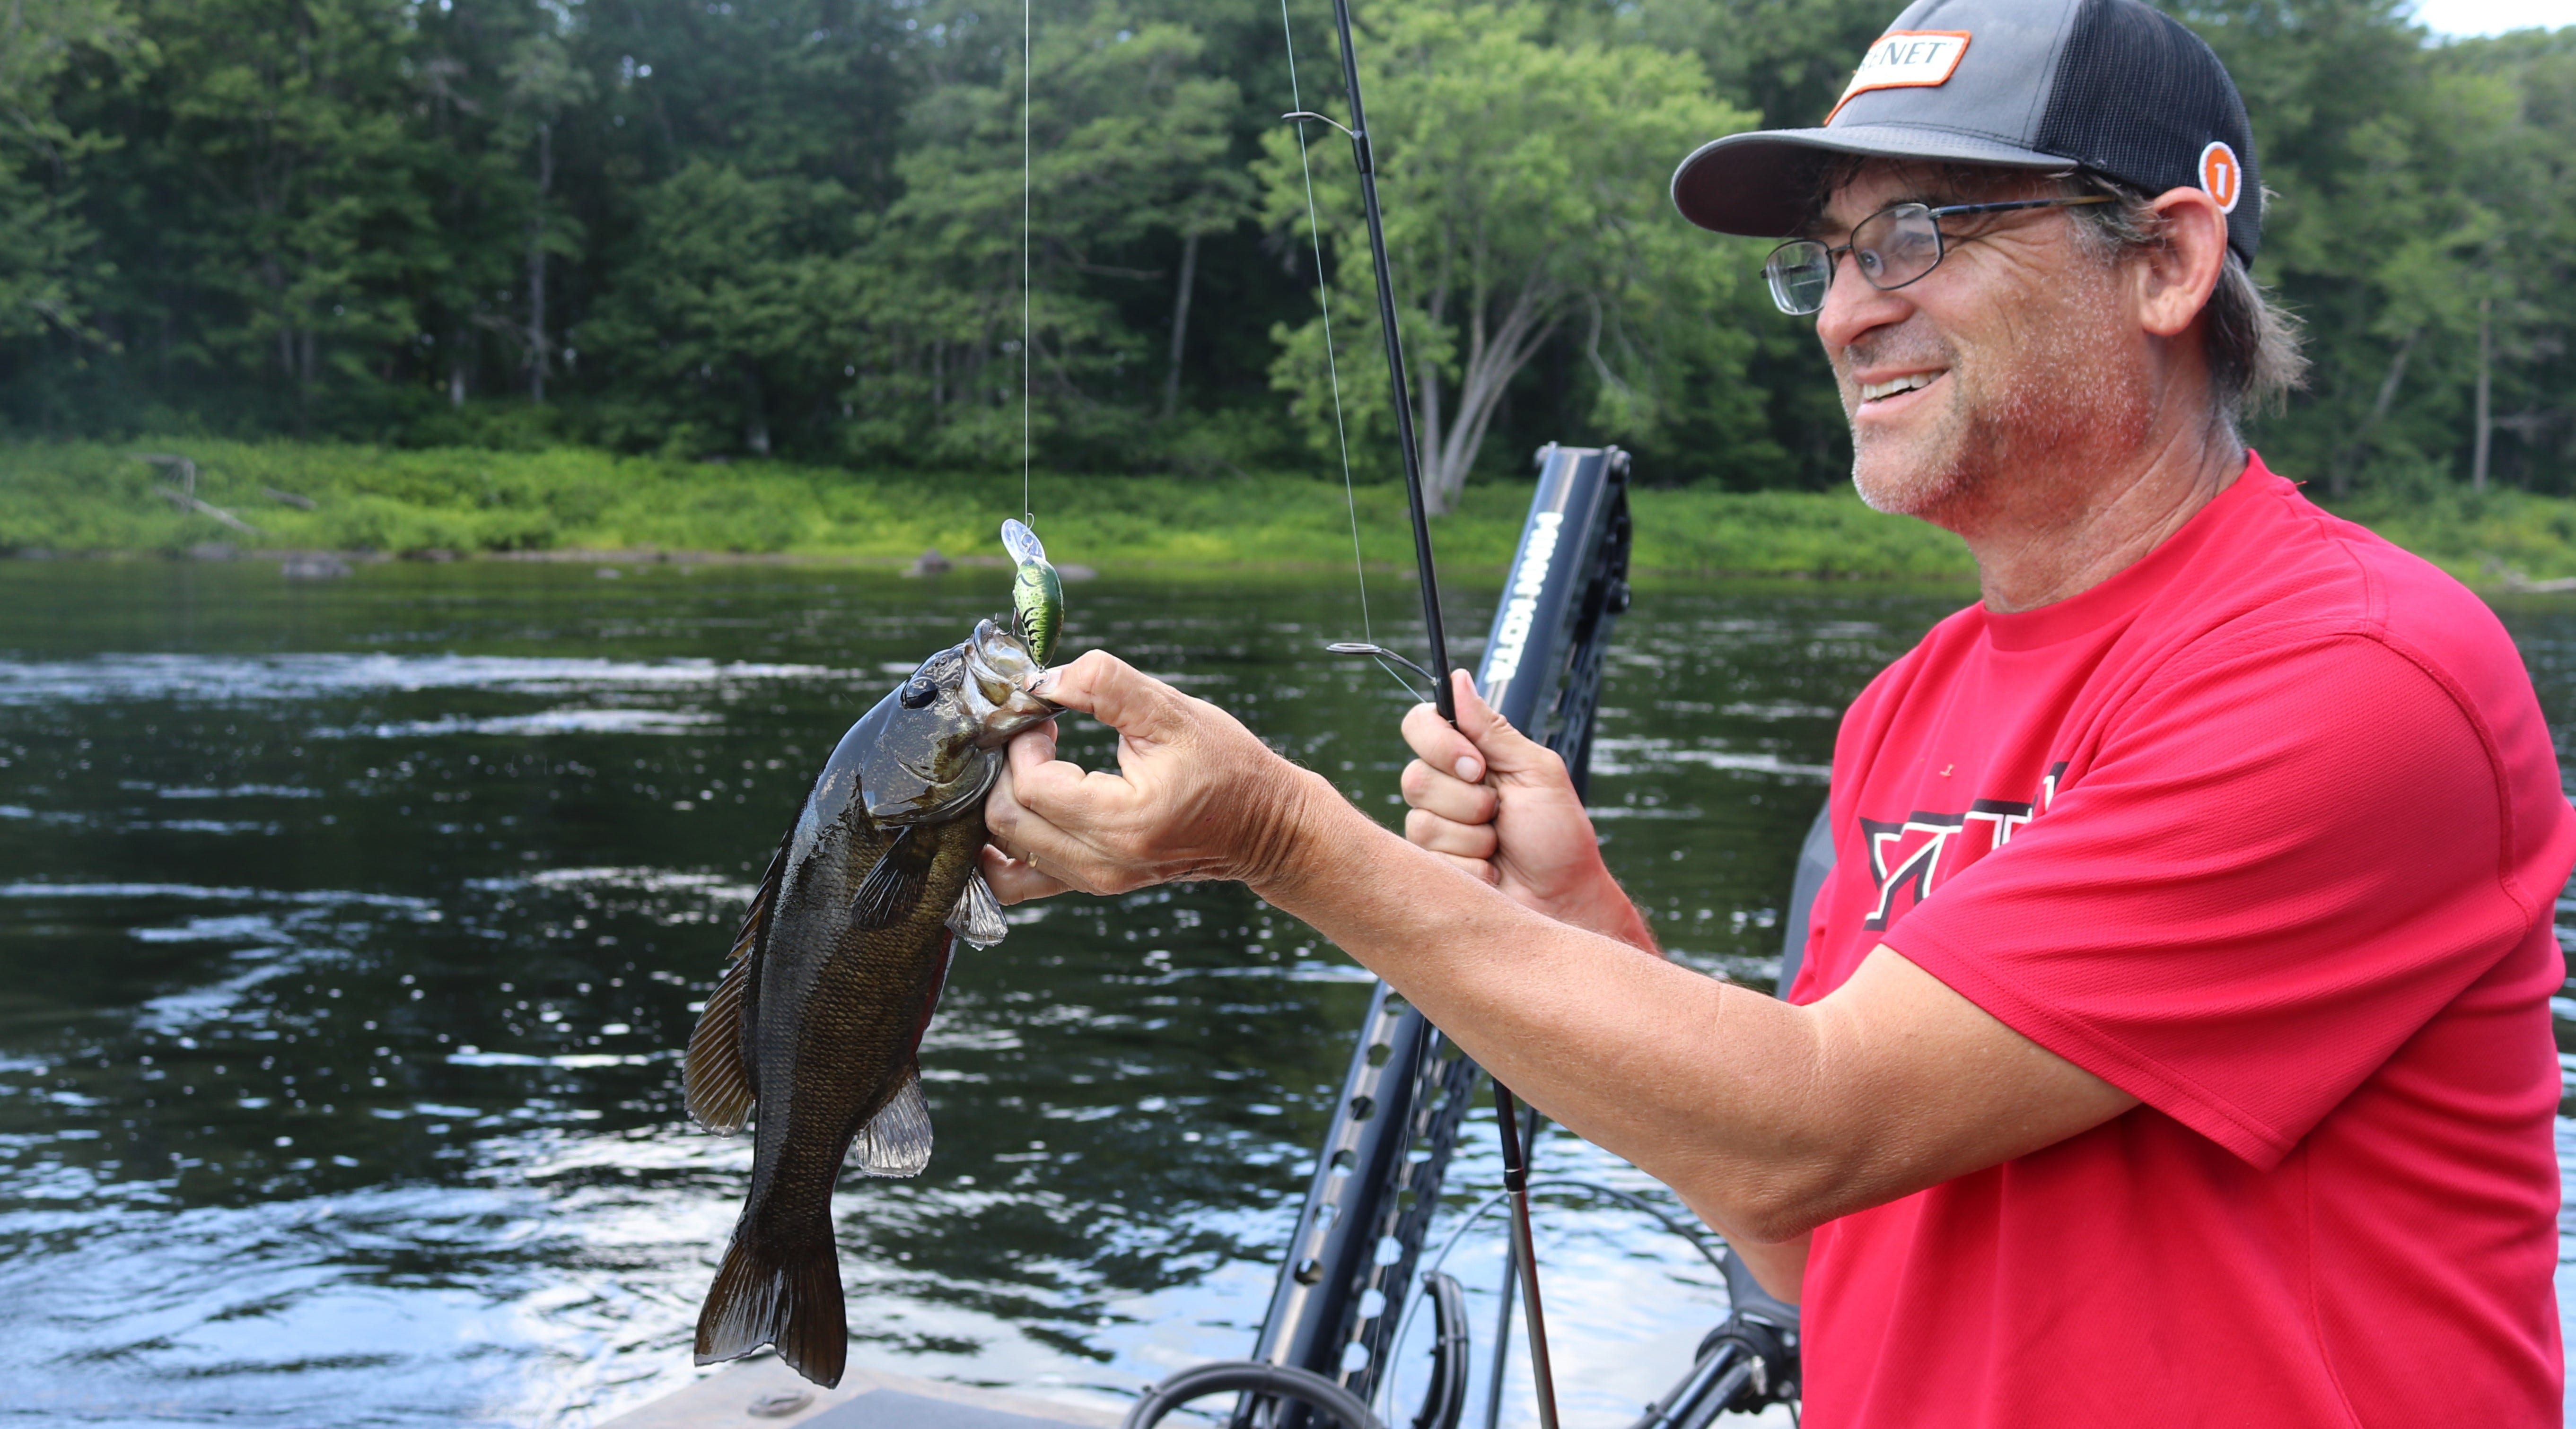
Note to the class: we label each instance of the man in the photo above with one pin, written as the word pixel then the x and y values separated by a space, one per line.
pixel 2173 1045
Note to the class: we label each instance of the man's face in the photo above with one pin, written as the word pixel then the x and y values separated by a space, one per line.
pixel 1989 384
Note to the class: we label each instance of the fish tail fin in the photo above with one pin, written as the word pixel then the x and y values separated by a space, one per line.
pixel 789 1297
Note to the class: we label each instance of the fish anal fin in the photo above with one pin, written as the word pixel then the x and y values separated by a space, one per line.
pixel 897 1141
pixel 977 918
pixel 893 887
pixel 788 1297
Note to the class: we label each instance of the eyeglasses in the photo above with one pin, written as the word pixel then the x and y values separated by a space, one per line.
pixel 1892 247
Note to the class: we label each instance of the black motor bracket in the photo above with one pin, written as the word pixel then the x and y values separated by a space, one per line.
pixel 1748 1362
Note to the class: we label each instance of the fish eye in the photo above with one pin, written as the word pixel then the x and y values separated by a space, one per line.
pixel 917 692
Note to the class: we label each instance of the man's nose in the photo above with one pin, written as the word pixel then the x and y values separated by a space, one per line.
pixel 1852 307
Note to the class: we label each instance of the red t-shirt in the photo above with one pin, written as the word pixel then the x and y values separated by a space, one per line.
pixel 2265 830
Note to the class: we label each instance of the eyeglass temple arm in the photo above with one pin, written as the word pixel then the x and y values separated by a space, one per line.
pixel 2018 203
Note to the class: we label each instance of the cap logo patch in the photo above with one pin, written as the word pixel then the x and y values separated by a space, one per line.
pixel 1905 59
pixel 2222 176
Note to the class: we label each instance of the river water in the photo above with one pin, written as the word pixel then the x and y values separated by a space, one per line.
pixel 349 931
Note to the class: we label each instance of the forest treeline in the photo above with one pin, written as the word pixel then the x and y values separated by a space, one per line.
pixel 709 228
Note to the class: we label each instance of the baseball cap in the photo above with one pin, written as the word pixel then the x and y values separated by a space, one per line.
pixel 2110 86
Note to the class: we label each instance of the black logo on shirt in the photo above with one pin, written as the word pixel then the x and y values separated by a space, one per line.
pixel 1916 852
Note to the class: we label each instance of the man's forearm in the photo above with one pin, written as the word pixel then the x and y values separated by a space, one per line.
pixel 1767 1119
pixel 1625 1051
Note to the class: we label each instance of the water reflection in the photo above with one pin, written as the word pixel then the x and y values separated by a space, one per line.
pixel 351 933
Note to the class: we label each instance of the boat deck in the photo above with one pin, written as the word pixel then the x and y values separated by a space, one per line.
pixel 766 1394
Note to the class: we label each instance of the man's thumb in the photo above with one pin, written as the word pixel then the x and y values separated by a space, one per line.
pixel 1506 750
pixel 1113 692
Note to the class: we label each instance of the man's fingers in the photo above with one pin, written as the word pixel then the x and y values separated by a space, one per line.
pixel 1013 881
pixel 1032 787
pixel 1440 746
pixel 1481 742
pixel 1427 830
pixel 1481 870
pixel 1427 788
pixel 1039 738
pixel 1056 790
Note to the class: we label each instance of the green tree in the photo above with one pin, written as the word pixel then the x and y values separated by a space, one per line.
pixel 542 84
pixel 1524 196
pixel 50 267
pixel 732 311
pixel 1126 136
pixel 285 203
pixel 2420 201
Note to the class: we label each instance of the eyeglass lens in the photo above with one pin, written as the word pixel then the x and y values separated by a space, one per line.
pixel 1892 248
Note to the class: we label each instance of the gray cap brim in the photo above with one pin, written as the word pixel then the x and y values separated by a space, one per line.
pixel 1763 184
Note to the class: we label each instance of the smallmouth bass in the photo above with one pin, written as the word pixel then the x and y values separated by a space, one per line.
pixel 834 975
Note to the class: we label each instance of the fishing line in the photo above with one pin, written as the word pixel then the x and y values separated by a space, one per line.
pixel 1493 1202
pixel 1332 362
pixel 1027 55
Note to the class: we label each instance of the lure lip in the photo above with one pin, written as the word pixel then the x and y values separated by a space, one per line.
pixel 1021 542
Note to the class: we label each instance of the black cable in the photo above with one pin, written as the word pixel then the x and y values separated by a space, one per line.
pixel 1444 1400
pixel 1254 1377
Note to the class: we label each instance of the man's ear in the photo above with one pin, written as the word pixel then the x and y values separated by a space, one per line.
pixel 2175 275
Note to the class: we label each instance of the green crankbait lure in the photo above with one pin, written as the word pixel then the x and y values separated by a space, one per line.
pixel 1037 593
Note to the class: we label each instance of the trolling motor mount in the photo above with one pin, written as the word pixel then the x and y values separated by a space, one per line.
pixel 1750 1360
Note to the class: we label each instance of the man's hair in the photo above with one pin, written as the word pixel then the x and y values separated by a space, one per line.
pixel 2251 342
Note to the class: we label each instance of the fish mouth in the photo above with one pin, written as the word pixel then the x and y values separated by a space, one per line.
pixel 998 666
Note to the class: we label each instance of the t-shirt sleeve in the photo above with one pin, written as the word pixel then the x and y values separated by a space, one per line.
pixel 2279 865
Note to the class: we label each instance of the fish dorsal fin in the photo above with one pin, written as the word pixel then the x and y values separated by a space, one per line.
pixel 715 1079
pixel 892 887
pixel 977 918
pixel 897 1141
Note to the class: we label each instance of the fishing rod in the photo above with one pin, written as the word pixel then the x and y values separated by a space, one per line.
pixel 1406 1085
pixel 1507 1116
pixel 1336 1311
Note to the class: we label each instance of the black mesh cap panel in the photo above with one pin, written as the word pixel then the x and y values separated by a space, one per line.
pixel 2137 97
pixel 2112 86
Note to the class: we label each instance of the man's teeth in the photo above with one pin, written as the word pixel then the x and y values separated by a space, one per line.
pixel 1872 391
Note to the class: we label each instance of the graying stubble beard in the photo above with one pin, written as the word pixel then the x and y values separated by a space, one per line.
pixel 2025 432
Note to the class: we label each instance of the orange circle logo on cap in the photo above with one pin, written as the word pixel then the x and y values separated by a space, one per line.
pixel 2222 176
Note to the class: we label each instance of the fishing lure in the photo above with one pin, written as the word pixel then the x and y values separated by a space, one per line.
pixel 1037 592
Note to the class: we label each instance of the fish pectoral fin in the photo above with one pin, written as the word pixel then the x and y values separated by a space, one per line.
pixel 893 887
pixel 977 918
pixel 714 1080
pixel 897 1141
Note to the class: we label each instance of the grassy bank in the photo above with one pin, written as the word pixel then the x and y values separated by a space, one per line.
pixel 87 498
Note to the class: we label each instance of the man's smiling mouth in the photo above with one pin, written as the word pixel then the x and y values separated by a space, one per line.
pixel 1875 391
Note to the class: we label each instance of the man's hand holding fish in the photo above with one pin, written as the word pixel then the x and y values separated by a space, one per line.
pixel 1159 819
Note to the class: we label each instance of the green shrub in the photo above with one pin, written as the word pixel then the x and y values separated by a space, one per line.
pixel 96 497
